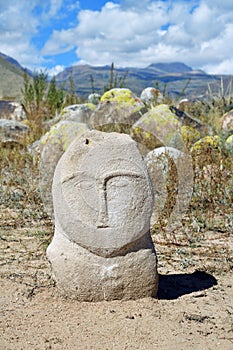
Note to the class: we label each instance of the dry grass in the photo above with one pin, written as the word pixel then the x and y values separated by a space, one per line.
pixel 210 208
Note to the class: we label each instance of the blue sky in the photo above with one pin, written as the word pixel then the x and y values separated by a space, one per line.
pixel 55 34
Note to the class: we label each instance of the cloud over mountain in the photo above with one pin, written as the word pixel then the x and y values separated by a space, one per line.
pixel 128 33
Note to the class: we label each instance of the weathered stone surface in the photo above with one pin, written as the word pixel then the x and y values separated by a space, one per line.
pixel 151 96
pixel 227 121
pixel 158 127
pixel 52 145
pixel 188 120
pixel 94 98
pixel 206 144
pixel 183 104
pixel 12 110
pixel 78 113
pixel 101 186
pixel 171 174
pixel 123 96
pixel 117 111
pixel 229 143
pixel 12 130
pixel 84 276
pixel 102 203
pixel 18 112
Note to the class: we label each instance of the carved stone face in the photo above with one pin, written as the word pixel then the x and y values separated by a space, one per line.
pixel 102 192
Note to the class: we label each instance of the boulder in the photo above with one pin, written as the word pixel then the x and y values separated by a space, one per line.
pixel 79 113
pixel 171 174
pixel 229 143
pixel 123 96
pixel 18 112
pixel 158 127
pixel 12 131
pixel 183 104
pixel 51 147
pixel 12 110
pixel 102 248
pixel 227 122
pixel 187 120
pixel 94 98
pixel 117 111
pixel 151 96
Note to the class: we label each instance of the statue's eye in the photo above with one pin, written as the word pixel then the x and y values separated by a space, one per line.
pixel 85 184
pixel 120 182
pixel 123 181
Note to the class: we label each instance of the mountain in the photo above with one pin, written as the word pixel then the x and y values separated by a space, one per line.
pixel 11 78
pixel 174 78
pixel 175 67
pixel 11 60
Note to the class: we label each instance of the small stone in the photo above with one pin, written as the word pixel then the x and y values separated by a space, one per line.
pixel 12 131
pixel 151 96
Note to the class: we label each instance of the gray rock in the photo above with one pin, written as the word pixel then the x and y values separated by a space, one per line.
pixel 12 130
pixel 94 98
pixel 151 96
pixel 18 112
pixel 229 143
pixel 78 113
pixel 227 122
pixel 158 127
pixel 12 110
pixel 84 276
pixel 117 111
pixel 171 173
pixel 51 147
pixel 103 201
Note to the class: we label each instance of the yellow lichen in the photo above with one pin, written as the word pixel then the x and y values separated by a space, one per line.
pixel 207 141
pixel 229 143
pixel 190 135
pixel 122 96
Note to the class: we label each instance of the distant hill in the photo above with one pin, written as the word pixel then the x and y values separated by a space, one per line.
pixel 175 78
pixel 11 77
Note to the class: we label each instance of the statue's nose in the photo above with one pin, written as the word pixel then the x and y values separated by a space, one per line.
pixel 102 220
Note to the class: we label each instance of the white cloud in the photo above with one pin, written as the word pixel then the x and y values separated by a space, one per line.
pixel 223 5
pixel 20 21
pixel 55 70
pixel 130 33
pixel 75 5
pixel 62 41
pixel 112 34
pixel 224 67
pixel 55 6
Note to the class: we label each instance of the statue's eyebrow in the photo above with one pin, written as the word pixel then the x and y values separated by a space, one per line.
pixel 76 174
pixel 103 178
pixel 110 174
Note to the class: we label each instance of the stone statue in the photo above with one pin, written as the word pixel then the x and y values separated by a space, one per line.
pixel 103 200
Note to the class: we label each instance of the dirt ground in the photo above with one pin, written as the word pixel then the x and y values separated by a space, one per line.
pixel 194 309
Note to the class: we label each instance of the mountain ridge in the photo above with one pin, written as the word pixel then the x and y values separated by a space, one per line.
pixel 174 78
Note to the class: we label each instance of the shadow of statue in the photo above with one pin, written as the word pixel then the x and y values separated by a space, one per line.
pixel 175 285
